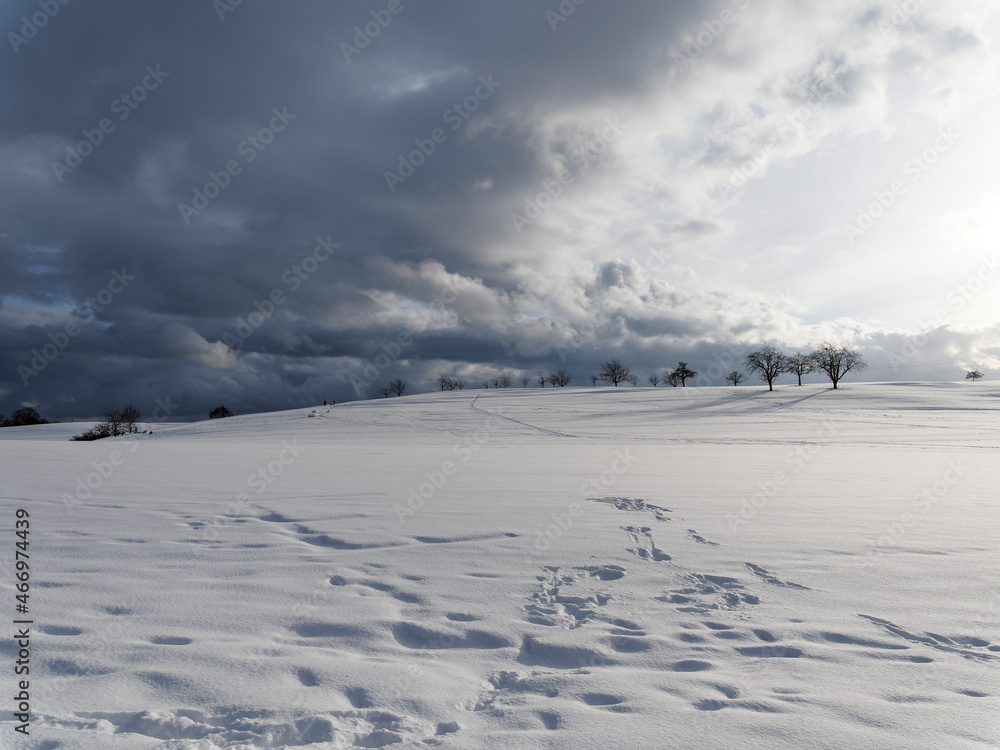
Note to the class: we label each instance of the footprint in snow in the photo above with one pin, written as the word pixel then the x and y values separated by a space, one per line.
pixel 645 548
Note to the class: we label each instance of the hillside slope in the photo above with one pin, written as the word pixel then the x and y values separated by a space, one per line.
pixel 569 568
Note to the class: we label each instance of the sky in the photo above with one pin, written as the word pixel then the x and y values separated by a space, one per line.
pixel 266 206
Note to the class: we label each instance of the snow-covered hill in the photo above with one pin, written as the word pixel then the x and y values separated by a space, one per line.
pixel 570 568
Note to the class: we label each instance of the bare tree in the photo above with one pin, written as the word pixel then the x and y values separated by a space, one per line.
pixel 505 381
pixel 735 377
pixel 113 420
pixel 486 384
pixel 525 380
pixel 130 419
pixel 837 361
pixel 542 380
pixel 398 386
pixel 974 375
pixel 683 373
pixel 385 391
pixel 671 378
pixel 26 415
pixel 768 362
pixel 633 379
pixel 614 372
pixel 560 378
pixel 653 379
pixel 496 382
pixel 799 364
pixel 450 384
pixel 593 379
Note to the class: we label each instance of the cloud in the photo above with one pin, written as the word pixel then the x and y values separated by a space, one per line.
pixel 683 170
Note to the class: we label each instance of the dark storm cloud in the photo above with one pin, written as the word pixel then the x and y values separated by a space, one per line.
pixel 175 93
pixel 207 149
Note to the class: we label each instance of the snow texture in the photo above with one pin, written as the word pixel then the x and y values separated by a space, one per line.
pixel 567 568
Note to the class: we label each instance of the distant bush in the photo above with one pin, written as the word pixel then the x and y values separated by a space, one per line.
pixel 22 418
pixel 219 412
pixel 116 422
pixel 973 375
pixel 96 432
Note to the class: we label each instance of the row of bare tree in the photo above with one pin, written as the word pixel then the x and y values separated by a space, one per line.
pixel 616 372
pixel 770 363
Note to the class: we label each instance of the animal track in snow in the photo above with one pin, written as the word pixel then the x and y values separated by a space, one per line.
pixel 969 647
pixel 170 640
pixel 635 506
pixel 307 677
pixel 402 596
pixel 260 728
pixel 700 539
pixel 504 685
pixel 645 548
pixel 709 592
pixel 772 579
pixel 552 605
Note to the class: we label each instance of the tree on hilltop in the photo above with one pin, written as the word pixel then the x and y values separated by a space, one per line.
pixel 768 363
pixel 837 361
pixel 799 365
pixel 614 372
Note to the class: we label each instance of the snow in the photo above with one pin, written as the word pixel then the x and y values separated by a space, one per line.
pixel 589 568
